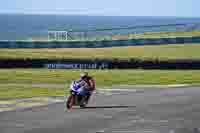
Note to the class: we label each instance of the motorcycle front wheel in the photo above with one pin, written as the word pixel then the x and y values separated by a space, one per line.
pixel 70 101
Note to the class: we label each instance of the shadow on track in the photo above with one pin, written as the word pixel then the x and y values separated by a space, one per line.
pixel 108 107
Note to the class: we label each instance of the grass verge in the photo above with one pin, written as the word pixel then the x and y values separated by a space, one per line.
pixel 103 78
pixel 20 91
pixel 161 52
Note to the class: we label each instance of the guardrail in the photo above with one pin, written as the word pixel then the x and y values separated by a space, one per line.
pixel 99 64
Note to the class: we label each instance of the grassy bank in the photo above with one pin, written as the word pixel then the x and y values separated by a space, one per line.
pixel 161 52
pixel 17 77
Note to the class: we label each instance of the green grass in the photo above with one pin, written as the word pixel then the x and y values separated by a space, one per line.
pixel 161 52
pixel 158 35
pixel 17 77
pixel 103 77
pixel 20 91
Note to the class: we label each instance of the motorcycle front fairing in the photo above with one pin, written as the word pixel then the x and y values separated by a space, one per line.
pixel 80 90
pixel 84 92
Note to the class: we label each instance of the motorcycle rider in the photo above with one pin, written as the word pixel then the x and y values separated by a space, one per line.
pixel 91 84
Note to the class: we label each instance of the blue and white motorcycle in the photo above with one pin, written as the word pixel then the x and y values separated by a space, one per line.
pixel 78 94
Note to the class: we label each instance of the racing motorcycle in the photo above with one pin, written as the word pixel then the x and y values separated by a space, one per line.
pixel 78 94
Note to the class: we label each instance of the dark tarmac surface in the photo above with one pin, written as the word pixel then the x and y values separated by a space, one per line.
pixel 149 110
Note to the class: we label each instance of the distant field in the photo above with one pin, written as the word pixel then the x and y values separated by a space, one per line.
pixel 128 36
pixel 147 35
pixel 158 35
pixel 161 52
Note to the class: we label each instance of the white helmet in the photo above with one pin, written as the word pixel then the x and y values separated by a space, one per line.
pixel 83 74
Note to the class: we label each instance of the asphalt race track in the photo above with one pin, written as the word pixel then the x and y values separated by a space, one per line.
pixel 147 110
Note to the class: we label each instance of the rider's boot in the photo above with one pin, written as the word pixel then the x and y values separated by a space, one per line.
pixel 87 99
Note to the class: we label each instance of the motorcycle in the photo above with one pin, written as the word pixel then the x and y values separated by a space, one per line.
pixel 78 95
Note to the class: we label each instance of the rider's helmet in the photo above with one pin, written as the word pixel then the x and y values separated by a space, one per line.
pixel 84 75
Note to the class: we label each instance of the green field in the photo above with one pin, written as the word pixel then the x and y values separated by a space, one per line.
pixel 158 35
pixel 14 83
pixel 145 35
pixel 103 77
pixel 161 52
